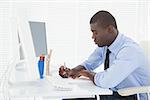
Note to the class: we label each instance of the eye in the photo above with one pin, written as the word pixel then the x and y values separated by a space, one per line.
pixel 94 32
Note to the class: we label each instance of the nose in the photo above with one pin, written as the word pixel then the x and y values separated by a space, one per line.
pixel 93 36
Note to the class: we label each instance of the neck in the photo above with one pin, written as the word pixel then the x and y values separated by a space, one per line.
pixel 113 37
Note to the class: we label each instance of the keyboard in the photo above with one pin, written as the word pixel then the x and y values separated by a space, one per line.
pixel 60 85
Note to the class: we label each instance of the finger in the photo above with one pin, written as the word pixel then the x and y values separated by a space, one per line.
pixel 63 75
pixel 67 69
pixel 61 71
pixel 61 68
pixel 74 76
pixel 70 73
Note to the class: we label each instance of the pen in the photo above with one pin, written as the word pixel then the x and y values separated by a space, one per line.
pixel 64 65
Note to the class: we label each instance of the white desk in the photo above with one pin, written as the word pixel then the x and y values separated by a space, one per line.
pixel 44 88
pixel 81 88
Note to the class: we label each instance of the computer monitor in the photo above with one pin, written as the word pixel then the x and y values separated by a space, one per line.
pixel 32 35
pixel 38 32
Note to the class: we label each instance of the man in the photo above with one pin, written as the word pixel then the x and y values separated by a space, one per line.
pixel 124 61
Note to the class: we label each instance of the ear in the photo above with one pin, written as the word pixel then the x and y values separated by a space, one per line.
pixel 110 28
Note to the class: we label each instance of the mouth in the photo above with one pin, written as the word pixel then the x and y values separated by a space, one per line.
pixel 95 41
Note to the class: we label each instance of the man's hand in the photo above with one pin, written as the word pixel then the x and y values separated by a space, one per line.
pixel 63 72
pixel 74 73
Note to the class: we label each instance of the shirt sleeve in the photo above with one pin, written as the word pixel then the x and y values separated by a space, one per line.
pixel 94 60
pixel 127 60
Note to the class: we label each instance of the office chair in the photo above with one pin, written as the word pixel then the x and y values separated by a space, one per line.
pixel 143 89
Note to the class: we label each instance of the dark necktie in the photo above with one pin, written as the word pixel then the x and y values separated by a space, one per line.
pixel 106 63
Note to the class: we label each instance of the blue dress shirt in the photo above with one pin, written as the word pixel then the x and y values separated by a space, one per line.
pixel 128 66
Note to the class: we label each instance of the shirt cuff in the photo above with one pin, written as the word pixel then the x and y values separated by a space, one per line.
pixel 97 79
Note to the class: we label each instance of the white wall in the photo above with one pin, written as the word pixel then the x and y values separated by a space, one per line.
pixel 124 12
pixel 68 30
pixel 149 29
pixel 62 28
pixel 4 40
pixel 131 17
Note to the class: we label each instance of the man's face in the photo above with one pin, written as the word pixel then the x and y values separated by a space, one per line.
pixel 100 35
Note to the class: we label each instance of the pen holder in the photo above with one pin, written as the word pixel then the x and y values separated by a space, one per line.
pixel 41 67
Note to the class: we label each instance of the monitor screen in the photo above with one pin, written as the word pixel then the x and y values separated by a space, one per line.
pixel 38 32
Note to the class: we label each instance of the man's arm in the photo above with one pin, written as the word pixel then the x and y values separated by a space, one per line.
pixel 79 68
pixel 76 72
pixel 88 74
pixel 94 60
pixel 120 69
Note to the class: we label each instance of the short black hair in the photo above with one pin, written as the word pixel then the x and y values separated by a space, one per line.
pixel 103 18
